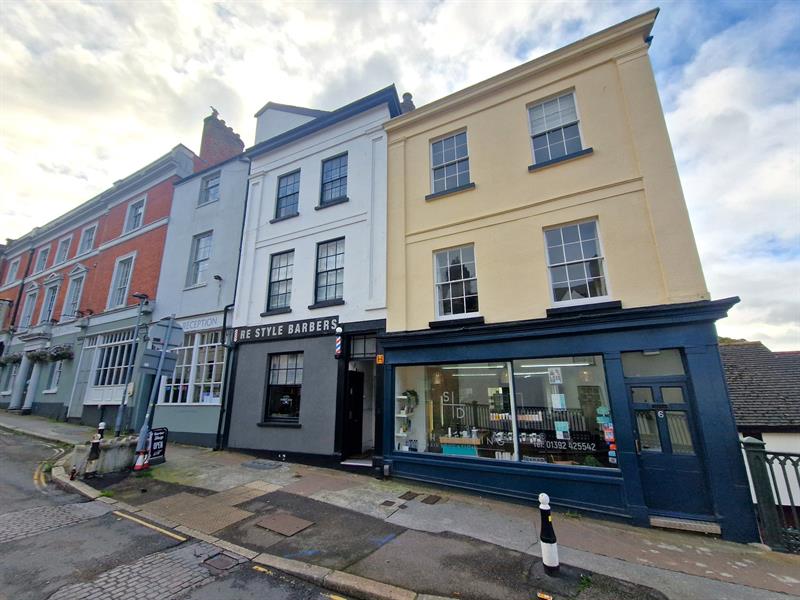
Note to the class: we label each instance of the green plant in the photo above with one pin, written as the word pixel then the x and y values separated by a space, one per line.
pixel 571 514
pixel 47 467
pixel 585 582
pixel 107 494
pixel 144 475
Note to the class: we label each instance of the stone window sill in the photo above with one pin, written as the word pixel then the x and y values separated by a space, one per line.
pixel 333 202
pixel 284 424
pixel 276 311
pixel 284 217
pixel 455 190
pixel 326 303
pixel 555 161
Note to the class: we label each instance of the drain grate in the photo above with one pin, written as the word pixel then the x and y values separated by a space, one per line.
pixel 221 562
pixel 432 499
pixel 409 496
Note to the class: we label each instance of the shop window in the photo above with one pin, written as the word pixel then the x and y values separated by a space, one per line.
pixel 115 356
pixel 199 366
pixel 284 386
pixel 363 346
pixel 456 282
pixel 552 410
pixel 654 363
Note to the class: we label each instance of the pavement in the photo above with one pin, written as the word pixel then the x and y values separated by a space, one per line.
pixel 57 545
pixel 327 526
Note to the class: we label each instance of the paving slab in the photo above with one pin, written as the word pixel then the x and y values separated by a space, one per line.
pixel 501 529
pixel 246 533
pixel 236 495
pixel 312 483
pixel 366 499
pixel 338 538
pixel 204 514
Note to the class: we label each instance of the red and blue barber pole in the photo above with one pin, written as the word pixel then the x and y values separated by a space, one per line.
pixel 547 537
pixel 338 351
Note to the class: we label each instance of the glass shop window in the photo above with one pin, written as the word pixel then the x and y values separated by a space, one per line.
pixel 652 363
pixel 562 411
pixel 559 413
pixel 457 410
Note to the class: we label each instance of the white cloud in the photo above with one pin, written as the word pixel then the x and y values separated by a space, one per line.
pixel 92 91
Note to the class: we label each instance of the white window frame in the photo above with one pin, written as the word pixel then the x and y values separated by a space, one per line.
pixel 13 271
pixel 579 123
pixel 42 251
pixel 63 242
pixel 54 377
pixel 432 168
pixel 190 275
pixel 114 284
pixel 203 199
pixel 67 312
pixel 128 227
pixel 26 319
pixel 112 357
pixel 181 392
pixel 55 287
pixel 608 295
pixel 81 249
pixel 464 315
pixel 9 375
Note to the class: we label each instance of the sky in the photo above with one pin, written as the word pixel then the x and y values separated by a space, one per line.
pixel 92 91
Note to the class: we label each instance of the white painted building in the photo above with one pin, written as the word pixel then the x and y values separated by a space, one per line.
pixel 313 249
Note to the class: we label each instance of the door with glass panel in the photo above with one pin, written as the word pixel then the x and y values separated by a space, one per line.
pixel 671 468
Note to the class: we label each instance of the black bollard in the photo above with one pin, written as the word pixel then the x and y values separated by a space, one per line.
pixel 547 537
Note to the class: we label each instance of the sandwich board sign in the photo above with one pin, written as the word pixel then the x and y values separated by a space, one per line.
pixel 158 445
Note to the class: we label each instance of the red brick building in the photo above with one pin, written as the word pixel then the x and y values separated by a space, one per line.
pixel 67 309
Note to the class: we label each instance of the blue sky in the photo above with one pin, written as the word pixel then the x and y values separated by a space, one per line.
pixel 92 91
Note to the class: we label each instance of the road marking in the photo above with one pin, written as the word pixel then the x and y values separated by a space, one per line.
pixel 335 597
pixel 175 536
pixel 262 570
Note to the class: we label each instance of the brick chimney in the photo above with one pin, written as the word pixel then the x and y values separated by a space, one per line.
pixel 219 141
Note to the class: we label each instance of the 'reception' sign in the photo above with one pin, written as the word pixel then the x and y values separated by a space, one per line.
pixel 282 331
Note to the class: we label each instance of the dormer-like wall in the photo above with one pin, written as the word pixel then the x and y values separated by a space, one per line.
pixel 274 119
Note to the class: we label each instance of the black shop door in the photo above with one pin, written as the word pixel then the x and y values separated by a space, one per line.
pixel 353 413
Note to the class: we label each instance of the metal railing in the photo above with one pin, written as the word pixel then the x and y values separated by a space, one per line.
pixel 775 483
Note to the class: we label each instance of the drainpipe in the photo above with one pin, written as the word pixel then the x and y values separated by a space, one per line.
pixel 227 385
pixel 12 323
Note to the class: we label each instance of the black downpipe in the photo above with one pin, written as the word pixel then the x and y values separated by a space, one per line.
pixel 13 323
pixel 230 362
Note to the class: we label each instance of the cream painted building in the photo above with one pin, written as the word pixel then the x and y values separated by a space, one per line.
pixel 549 326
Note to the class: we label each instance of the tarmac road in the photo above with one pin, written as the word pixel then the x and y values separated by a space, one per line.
pixel 56 545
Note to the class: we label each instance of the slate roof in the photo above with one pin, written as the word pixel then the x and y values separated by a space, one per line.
pixel 764 386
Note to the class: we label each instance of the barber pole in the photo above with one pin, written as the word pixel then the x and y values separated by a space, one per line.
pixel 338 351
pixel 548 537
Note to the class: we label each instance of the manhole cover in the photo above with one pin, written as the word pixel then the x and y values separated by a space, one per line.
pixel 284 523
pixel 409 496
pixel 432 499
pixel 221 562
pixel 262 464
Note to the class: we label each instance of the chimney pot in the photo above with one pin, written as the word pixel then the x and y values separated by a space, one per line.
pixel 407 105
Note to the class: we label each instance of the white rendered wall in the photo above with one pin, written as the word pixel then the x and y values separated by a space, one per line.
pixel 273 122
pixel 361 221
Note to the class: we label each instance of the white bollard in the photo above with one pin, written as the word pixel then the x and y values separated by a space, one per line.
pixel 547 537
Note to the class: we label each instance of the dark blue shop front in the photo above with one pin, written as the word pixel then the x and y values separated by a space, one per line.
pixel 622 412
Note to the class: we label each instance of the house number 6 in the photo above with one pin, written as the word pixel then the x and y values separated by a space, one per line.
pixel 661 414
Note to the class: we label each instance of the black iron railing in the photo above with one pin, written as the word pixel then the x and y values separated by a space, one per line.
pixel 775 478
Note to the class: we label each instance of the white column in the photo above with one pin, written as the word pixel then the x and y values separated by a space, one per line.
pixel 33 385
pixel 19 383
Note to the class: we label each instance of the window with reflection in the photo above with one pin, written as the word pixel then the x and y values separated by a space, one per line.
pixel 563 413
pixel 552 410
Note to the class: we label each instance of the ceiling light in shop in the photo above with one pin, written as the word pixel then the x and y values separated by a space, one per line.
pixel 581 364
pixel 459 367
